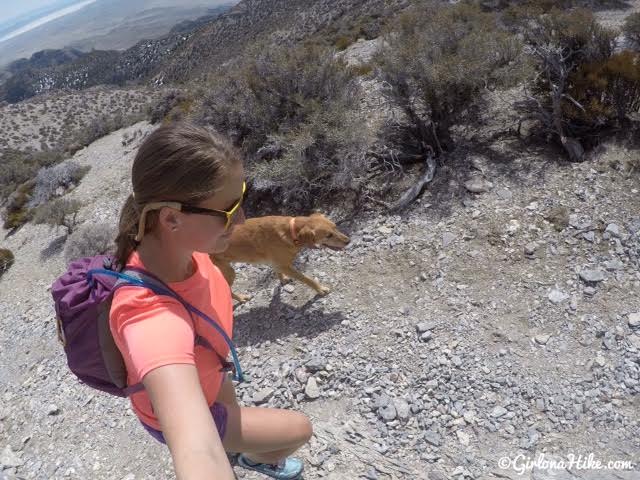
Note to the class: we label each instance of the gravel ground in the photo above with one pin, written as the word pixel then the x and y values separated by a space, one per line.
pixel 474 327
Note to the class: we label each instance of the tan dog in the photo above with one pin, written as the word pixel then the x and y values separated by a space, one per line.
pixel 276 241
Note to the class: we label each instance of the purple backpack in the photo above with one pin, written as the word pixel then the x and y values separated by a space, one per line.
pixel 82 298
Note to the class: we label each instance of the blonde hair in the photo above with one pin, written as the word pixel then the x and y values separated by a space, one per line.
pixel 178 162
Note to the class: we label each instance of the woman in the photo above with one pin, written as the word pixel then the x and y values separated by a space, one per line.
pixel 188 186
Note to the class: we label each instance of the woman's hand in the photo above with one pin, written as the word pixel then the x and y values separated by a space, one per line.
pixel 187 424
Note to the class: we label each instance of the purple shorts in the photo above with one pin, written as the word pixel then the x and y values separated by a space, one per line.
pixel 218 412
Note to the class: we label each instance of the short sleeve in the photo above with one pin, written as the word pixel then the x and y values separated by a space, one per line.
pixel 151 334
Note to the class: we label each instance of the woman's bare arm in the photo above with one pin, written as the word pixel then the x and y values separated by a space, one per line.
pixel 187 424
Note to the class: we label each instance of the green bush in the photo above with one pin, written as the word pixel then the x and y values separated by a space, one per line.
pixel 102 126
pixel 6 260
pixel 519 11
pixel 631 29
pixel 60 212
pixel 171 107
pixel 16 212
pixel 291 111
pixel 571 52
pixel 437 59
pixel 607 91
pixel 343 42
pixel 362 70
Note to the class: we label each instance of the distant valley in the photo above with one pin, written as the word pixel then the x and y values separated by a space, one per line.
pixel 99 25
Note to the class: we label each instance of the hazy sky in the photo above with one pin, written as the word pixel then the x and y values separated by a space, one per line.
pixel 10 8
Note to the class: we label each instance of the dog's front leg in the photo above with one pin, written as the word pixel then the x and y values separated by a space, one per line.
pixel 230 275
pixel 283 278
pixel 293 273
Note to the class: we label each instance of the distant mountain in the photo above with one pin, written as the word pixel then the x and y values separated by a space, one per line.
pixel 105 25
pixel 195 49
pixel 269 21
pixel 72 69
pixel 46 59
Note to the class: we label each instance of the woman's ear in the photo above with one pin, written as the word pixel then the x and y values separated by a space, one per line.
pixel 168 219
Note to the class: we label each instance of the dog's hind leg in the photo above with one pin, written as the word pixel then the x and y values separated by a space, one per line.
pixel 293 273
pixel 230 275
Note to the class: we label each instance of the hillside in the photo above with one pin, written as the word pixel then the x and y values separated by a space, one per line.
pixel 71 69
pixel 269 21
pixel 188 55
pixel 52 120
pixel 495 319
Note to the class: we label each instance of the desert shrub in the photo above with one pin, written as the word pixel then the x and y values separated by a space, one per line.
pixel 16 212
pixel 102 126
pixel 17 166
pixel 60 212
pixel 516 11
pixel 55 180
pixel 343 41
pixel 6 260
pixel 607 91
pixel 15 89
pixel 437 59
pixel 563 45
pixel 631 29
pixel 290 110
pixel 173 106
pixel 90 240
pixel 362 70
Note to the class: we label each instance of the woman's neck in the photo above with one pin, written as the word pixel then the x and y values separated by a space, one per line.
pixel 169 264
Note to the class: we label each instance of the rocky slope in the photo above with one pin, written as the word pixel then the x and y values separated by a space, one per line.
pixel 475 326
pixel 53 119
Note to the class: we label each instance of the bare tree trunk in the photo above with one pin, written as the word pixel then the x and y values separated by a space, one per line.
pixel 410 195
pixel 572 146
pixel 427 133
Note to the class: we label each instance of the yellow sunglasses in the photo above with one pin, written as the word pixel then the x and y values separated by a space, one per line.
pixel 227 214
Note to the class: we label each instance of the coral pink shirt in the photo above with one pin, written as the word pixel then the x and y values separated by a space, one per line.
pixel 155 330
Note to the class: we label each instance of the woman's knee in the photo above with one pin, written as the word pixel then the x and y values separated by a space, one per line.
pixel 304 429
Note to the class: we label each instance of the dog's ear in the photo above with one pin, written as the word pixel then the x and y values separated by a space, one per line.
pixel 316 213
pixel 307 235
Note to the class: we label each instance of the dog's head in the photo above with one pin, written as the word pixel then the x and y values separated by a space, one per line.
pixel 320 232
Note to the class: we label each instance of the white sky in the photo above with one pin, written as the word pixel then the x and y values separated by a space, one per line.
pixel 48 18
pixel 12 8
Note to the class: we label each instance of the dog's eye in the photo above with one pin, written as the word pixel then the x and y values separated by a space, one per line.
pixel 330 235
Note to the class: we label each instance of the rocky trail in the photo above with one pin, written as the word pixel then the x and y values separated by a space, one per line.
pixel 473 327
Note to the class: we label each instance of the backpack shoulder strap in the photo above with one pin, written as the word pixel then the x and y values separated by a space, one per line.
pixel 138 277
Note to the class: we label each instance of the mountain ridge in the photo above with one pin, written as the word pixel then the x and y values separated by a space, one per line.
pixel 210 42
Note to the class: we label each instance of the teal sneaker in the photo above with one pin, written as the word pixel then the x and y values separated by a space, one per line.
pixel 289 469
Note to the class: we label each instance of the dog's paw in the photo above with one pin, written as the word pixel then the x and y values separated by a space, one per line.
pixel 241 297
pixel 324 290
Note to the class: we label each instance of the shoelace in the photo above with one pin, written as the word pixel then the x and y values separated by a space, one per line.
pixel 275 466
